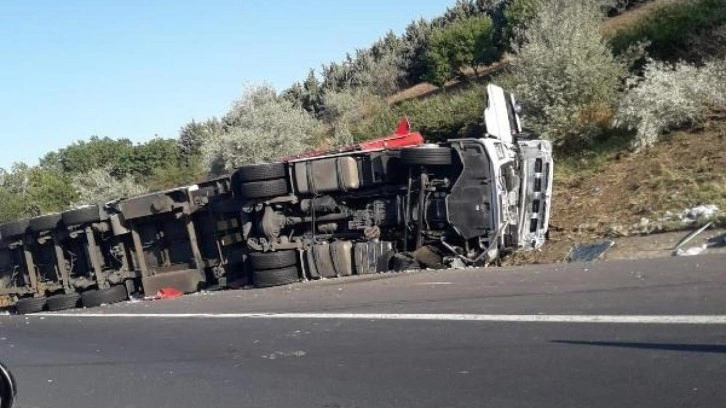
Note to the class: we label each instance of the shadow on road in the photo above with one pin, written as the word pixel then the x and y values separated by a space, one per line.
pixel 697 348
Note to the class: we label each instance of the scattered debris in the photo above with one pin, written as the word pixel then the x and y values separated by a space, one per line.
pixel 678 251
pixel 457 263
pixel 699 212
pixel 697 250
pixel 168 293
pixel 717 241
pixel 589 252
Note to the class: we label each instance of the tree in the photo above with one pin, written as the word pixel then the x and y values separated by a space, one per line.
pixel 83 156
pixel 518 15
pixel 312 96
pixel 411 54
pixel 141 160
pixel 466 43
pixel 192 135
pixel 48 191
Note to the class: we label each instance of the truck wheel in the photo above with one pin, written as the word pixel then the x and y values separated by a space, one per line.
pixel 30 305
pixel 262 171
pixel 64 301
pixel 272 260
pixel 275 277
pixel 44 222
pixel 84 215
pixel 97 297
pixel 13 229
pixel 263 189
pixel 426 156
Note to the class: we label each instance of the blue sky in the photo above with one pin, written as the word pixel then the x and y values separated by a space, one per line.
pixel 135 69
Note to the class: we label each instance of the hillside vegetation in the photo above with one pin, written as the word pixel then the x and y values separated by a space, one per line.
pixel 604 93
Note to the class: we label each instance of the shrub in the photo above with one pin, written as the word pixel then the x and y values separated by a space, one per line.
pixel 260 127
pixel 564 74
pixel 671 96
pixel 342 110
pixel 694 30
pixel 98 185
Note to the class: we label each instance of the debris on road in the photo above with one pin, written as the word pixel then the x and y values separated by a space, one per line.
pixel 589 252
pixel 678 249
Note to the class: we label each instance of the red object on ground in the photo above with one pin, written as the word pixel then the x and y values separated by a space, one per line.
pixel 402 137
pixel 168 293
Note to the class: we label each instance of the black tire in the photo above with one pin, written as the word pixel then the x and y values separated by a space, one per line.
pixel 84 215
pixel 426 156
pixel 13 229
pixel 275 277
pixel 272 260
pixel 97 297
pixel 64 301
pixel 263 189
pixel 44 222
pixel 30 305
pixel 258 172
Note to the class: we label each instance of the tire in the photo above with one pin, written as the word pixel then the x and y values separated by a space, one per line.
pixel 13 229
pixel 258 172
pixel 272 260
pixel 275 277
pixel 64 301
pixel 30 305
pixel 84 215
pixel 44 222
pixel 97 297
pixel 426 156
pixel 263 189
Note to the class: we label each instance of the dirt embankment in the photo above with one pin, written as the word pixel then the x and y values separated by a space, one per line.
pixel 622 193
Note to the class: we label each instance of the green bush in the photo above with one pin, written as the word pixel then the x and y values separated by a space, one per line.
pixel 669 97
pixel 692 30
pixel 565 75
pixel 260 127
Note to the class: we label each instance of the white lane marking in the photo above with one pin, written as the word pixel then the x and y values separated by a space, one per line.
pixel 642 319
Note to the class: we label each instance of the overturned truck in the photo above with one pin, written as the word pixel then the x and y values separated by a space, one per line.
pixel 388 204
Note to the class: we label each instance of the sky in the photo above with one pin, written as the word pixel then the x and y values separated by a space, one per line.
pixel 137 68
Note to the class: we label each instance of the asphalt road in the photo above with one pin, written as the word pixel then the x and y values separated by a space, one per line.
pixel 227 350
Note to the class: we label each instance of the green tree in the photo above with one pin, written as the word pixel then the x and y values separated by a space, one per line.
pixel 517 16
pixel 49 190
pixel 83 156
pixel 141 160
pixel 192 135
pixel 466 43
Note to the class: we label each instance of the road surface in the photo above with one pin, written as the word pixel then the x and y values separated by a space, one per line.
pixel 648 333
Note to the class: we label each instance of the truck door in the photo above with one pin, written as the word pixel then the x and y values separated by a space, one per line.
pixel 500 115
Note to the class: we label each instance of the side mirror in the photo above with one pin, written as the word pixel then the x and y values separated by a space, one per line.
pixel 8 389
